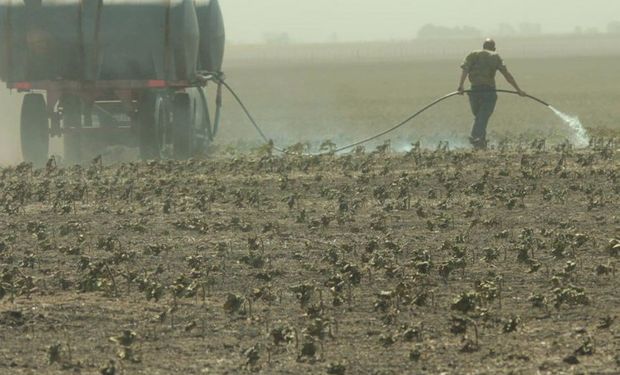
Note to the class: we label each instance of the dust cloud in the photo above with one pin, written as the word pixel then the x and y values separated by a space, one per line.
pixel 10 149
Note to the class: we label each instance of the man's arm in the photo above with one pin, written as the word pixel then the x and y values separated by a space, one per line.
pixel 510 79
pixel 461 89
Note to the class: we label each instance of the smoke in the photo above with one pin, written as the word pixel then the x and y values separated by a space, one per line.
pixel 579 136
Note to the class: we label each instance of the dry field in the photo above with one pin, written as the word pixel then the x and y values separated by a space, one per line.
pixel 435 260
pixel 371 263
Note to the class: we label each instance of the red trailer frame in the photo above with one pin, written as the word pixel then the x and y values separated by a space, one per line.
pixel 125 90
pixel 126 96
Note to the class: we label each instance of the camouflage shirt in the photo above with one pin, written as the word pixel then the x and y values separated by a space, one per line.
pixel 481 67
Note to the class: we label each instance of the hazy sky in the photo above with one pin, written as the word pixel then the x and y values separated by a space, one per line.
pixel 319 20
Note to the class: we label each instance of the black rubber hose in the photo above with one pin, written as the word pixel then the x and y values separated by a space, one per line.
pixel 526 96
pixel 250 117
pixel 366 140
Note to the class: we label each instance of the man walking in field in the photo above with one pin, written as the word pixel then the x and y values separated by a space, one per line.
pixel 481 67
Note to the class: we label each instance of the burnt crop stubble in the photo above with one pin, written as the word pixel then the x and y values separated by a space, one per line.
pixel 370 262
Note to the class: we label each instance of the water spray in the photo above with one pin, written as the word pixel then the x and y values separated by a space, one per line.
pixel 580 138
pixel 580 135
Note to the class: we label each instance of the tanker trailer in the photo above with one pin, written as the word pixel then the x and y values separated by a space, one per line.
pixel 115 71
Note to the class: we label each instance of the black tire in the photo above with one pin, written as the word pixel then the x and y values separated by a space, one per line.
pixel 34 130
pixel 72 124
pixel 152 115
pixel 182 127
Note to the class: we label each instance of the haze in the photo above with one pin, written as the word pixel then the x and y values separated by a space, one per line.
pixel 252 21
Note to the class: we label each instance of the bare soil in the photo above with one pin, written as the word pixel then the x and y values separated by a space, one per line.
pixel 496 262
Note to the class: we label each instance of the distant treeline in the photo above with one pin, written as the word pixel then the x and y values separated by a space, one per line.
pixel 614 27
pixel 431 31
pixel 585 44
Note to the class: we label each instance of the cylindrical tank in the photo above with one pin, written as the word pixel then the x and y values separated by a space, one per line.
pixel 212 35
pixel 109 39
pixel 39 41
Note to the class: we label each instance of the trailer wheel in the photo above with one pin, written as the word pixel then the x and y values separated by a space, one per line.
pixel 152 115
pixel 182 127
pixel 34 129
pixel 72 124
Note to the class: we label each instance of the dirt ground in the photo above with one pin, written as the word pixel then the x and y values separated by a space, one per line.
pixel 434 261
